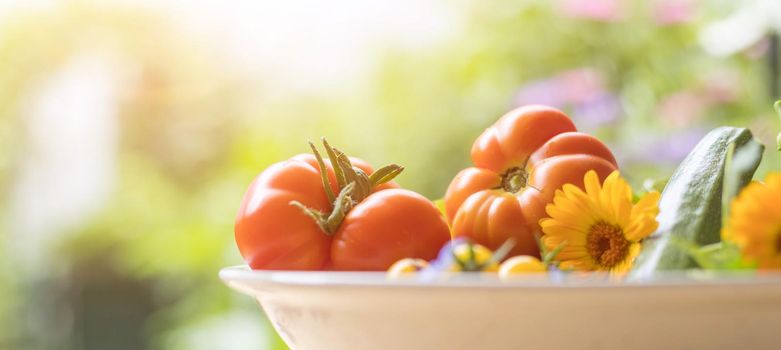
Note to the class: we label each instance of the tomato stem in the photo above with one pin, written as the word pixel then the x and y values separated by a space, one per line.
pixel 471 263
pixel 385 174
pixel 316 215
pixel 354 184
pixel 547 259
pixel 330 223
pixel 340 178
pixel 323 173
pixel 500 253
pixel 342 206
pixel 546 255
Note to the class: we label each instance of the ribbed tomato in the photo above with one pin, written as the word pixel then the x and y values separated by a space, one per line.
pixel 274 235
pixel 294 218
pixel 386 227
pixel 520 162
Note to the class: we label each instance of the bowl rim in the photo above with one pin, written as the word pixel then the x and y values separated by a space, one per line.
pixel 242 274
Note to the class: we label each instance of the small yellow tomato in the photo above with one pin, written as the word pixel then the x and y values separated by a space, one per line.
pixel 521 264
pixel 474 257
pixel 406 266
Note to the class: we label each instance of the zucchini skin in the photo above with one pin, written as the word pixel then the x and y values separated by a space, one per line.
pixel 690 205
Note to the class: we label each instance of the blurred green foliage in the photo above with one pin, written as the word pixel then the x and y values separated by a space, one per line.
pixel 193 135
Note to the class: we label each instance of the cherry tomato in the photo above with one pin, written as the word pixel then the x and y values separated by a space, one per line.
pixel 473 257
pixel 406 267
pixel 520 162
pixel 522 264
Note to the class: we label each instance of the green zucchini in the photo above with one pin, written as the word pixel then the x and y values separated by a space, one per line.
pixel 690 207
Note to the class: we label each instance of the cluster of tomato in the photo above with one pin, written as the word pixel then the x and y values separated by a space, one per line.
pixel 462 255
pixel 337 213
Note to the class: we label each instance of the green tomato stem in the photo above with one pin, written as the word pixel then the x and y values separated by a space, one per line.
pixel 354 186
pixel 316 215
pixel 323 173
pixel 385 174
pixel 340 178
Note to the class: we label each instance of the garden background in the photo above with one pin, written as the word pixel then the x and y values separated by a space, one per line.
pixel 130 129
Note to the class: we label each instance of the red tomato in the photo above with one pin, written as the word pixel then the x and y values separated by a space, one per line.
pixel 520 162
pixel 377 218
pixel 272 234
pixel 388 226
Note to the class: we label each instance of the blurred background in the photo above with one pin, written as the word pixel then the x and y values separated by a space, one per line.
pixel 130 129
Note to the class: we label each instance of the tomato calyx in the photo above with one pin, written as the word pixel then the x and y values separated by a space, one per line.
pixel 329 222
pixel 515 179
pixel 354 184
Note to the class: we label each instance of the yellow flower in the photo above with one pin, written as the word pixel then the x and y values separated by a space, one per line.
pixel 755 222
pixel 600 227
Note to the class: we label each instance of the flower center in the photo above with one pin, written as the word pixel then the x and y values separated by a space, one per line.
pixel 606 244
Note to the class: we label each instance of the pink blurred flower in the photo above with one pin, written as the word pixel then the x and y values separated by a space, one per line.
pixel 597 10
pixel 581 85
pixel 682 108
pixel 721 86
pixel 669 12
pixel 715 87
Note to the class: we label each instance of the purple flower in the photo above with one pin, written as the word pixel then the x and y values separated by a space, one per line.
pixel 544 92
pixel 583 90
pixel 442 263
pixel 662 149
pixel 602 110
pixel 565 88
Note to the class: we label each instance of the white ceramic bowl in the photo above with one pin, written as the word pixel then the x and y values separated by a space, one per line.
pixel 345 311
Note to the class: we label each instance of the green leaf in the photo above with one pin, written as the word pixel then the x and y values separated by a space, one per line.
pixel 691 203
pixel 722 256
pixel 728 189
pixel 742 161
